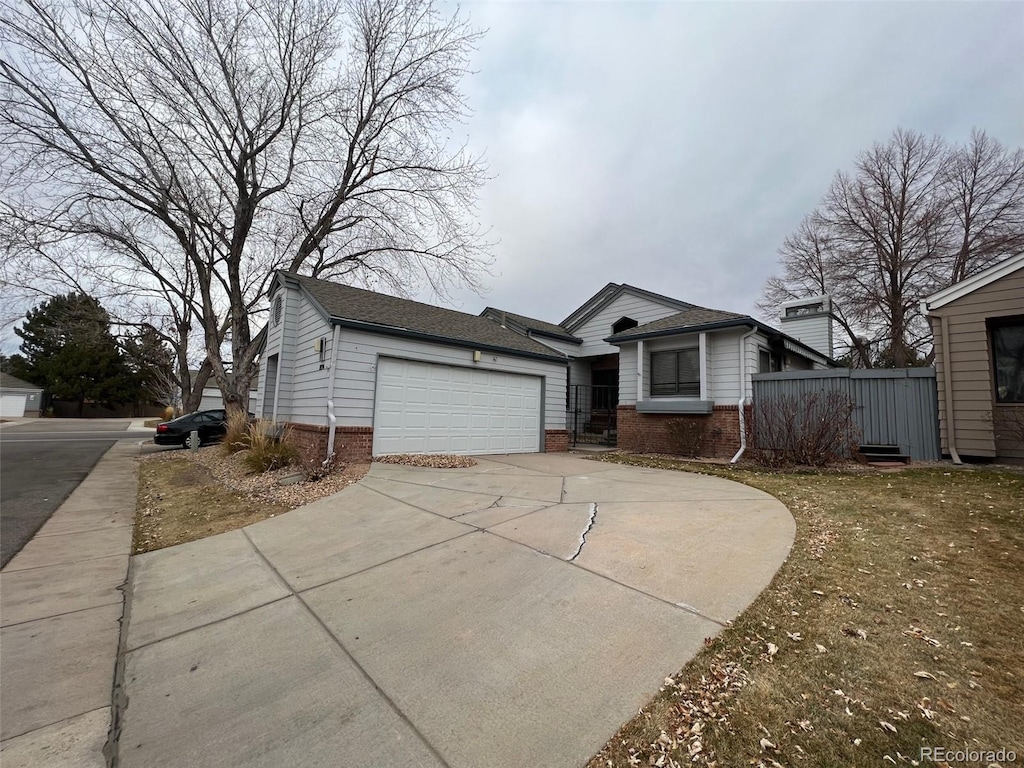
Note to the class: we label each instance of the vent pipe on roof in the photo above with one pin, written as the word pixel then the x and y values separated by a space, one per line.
pixel 503 318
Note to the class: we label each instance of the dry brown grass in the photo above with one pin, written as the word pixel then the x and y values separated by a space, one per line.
pixel 896 623
pixel 185 496
pixel 180 500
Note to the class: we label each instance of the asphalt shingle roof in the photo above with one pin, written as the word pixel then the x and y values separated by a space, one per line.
pixel 532 324
pixel 688 318
pixel 11 382
pixel 343 302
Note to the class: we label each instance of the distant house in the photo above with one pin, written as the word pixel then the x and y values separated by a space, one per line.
pixel 978 326
pixel 359 373
pixel 212 398
pixel 18 398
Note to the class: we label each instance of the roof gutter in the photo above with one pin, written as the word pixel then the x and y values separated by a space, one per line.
pixel 388 330
pixel 715 326
pixel 551 335
pixel 748 322
pixel 565 355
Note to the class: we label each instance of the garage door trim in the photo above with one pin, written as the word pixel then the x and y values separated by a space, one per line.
pixel 540 378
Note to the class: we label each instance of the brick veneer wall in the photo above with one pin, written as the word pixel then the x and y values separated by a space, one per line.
pixel 556 440
pixel 355 444
pixel 647 432
pixel 351 444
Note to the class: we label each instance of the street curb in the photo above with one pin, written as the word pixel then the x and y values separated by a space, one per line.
pixel 91 744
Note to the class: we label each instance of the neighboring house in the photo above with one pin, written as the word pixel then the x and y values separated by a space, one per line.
pixel 212 398
pixel 18 398
pixel 398 376
pixel 978 329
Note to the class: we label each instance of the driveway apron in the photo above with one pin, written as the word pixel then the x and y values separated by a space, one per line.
pixel 514 613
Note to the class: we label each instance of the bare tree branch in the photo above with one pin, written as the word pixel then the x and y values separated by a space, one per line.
pixel 174 153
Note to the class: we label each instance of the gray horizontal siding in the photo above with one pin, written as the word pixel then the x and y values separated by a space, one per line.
pixel 356 373
pixel 595 330
pixel 308 402
pixel 891 407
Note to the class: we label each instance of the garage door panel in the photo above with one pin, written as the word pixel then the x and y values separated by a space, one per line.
pixel 12 406
pixel 417 395
pixel 435 408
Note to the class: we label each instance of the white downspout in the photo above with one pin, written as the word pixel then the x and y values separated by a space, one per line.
pixel 947 379
pixel 332 421
pixel 743 395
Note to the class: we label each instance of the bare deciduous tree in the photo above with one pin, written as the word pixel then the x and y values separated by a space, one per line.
pixel 984 182
pixel 913 217
pixel 179 151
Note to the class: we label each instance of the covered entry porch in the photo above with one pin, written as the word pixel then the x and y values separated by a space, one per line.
pixel 592 397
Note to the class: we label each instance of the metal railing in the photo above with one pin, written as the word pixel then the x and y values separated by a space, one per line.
pixel 591 414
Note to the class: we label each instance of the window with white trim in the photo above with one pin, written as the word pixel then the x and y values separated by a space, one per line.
pixel 1007 337
pixel 675 373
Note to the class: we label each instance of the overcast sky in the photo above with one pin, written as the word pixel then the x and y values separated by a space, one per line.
pixel 674 145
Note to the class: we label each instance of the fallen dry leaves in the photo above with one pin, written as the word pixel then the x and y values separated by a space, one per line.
pixel 875 637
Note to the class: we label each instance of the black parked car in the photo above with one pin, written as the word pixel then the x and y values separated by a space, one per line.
pixel 211 426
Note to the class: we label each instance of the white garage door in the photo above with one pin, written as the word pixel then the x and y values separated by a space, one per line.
pixel 12 406
pixel 429 408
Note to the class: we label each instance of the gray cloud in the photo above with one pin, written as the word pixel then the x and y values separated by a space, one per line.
pixel 675 145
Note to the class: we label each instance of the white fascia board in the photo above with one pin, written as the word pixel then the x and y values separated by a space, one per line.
pixel 972 283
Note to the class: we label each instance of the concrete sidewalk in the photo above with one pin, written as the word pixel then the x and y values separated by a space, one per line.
pixel 61 603
pixel 511 614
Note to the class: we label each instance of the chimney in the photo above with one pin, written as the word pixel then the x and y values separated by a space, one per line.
pixel 809 321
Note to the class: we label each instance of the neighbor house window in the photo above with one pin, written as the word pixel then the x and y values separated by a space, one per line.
pixel 675 373
pixel 1008 358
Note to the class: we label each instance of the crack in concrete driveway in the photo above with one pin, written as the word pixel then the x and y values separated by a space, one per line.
pixel 440 617
pixel 583 536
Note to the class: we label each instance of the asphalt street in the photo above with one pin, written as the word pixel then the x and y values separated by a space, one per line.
pixel 41 463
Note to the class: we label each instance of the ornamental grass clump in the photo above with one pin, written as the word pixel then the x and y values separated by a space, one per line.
pixel 238 436
pixel 269 447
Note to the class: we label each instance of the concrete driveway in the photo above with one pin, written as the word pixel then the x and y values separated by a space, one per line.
pixel 511 614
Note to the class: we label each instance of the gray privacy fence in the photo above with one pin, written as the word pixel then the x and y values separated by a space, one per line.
pixel 893 406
